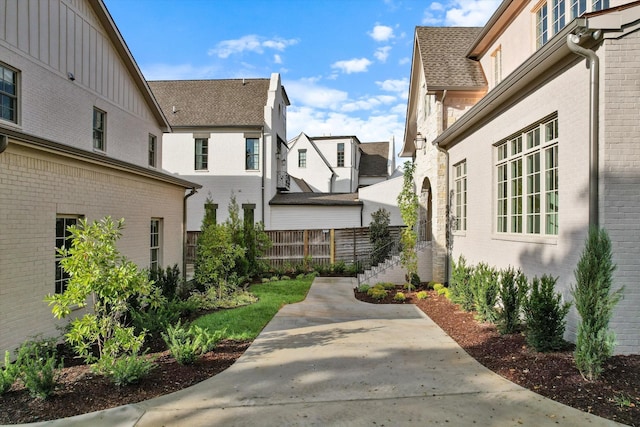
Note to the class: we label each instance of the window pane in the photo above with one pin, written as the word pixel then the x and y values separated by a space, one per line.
pixel 252 154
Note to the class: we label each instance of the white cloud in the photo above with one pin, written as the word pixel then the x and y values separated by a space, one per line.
pixel 356 65
pixel 404 60
pixel 382 53
pixel 249 43
pixel 365 104
pixel 391 85
pixel 307 92
pixel 463 13
pixel 471 12
pixel 381 33
pixel 277 59
pixel 319 123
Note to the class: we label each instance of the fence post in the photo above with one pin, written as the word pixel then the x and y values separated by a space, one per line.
pixel 305 239
pixel 332 246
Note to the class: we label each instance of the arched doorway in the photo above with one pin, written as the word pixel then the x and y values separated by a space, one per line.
pixel 424 218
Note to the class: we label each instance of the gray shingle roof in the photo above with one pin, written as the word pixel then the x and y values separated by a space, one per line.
pixel 212 102
pixel 317 199
pixel 373 161
pixel 443 50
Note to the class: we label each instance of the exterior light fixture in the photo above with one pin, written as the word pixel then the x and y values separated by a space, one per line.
pixel 420 141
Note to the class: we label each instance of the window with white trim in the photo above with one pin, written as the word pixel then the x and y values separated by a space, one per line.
pixel 201 158
pixel 527 181
pixel 460 185
pixel 155 244
pixel 153 151
pixel 340 155
pixel 542 25
pixel 496 63
pixel 63 241
pixel 558 11
pixel 99 130
pixel 302 158
pixel 253 154
pixel 8 94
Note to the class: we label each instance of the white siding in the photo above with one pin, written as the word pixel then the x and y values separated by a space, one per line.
pixel 286 217
pixel 382 195
pixel 317 174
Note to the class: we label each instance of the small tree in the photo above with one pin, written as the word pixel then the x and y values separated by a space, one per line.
pixel 594 302
pixel 106 281
pixel 485 288
pixel 380 236
pixel 460 286
pixel 408 204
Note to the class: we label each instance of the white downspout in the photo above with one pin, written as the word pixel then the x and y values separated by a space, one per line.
pixel 594 119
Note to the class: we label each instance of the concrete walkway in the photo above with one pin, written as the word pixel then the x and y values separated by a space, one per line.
pixel 334 361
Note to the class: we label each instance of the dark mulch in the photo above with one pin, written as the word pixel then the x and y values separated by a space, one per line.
pixel 616 395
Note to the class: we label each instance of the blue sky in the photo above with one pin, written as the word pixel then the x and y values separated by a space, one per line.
pixel 344 63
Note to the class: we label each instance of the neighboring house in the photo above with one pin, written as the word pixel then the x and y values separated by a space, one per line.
pixel 229 136
pixel 80 137
pixel 339 164
pixel 547 152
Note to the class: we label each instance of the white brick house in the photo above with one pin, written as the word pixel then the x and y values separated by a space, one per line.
pixel 80 137
pixel 537 158
pixel 229 136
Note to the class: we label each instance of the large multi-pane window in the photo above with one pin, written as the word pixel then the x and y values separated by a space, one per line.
pixel 496 62
pixel 302 158
pixel 542 25
pixel 99 129
pixel 63 241
pixel 153 150
pixel 154 245
pixel 341 154
pixel 460 184
pixel 558 15
pixel 201 158
pixel 527 181
pixel 561 12
pixel 8 94
pixel 253 154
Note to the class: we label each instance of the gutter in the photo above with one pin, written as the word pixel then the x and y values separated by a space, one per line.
pixel 594 117
pixel 264 168
pixel 184 233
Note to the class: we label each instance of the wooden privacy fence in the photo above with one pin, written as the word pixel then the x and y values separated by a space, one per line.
pixel 320 246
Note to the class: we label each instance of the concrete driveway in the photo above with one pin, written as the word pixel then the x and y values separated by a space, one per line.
pixel 334 361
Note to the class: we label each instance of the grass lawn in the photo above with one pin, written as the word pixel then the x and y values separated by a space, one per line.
pixel 246 322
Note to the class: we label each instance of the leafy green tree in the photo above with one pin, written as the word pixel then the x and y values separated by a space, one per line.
pixel 107 282
pixel 594 302
pixel 408 204
pixel 216 259
pixel 380 235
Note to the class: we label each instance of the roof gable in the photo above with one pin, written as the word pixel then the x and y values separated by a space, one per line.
pixel 212 103
pixel 443 53
pixel 373 161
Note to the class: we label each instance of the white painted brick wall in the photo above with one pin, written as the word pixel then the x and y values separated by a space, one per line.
pixel 620 180
pixel 34 187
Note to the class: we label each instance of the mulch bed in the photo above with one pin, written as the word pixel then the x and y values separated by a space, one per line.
pixel 616 395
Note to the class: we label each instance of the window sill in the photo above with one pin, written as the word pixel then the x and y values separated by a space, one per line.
pixel 10 124
pixel 99 151
pixel 526 238
pixel 460 233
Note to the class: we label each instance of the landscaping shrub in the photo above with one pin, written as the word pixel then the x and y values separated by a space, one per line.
pixel 460 288
pixel 187 344
pixel 399 296
pixel 339 267
pixel 409 287
pixel 484 285
pixel 127 369
pixel 8 374
pixel 513 290
pixel 594 302
pixel 363 287
pixel 422 295
pixel 156 319
pixel 386 285
pixel 380 236
pixel 167 280
pixel 377 292
pixel 437 286
pixel 545 315
pixel 442 291
pixel 37 367
pixel 285 278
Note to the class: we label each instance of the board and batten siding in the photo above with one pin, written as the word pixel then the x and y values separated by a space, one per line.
pixel 295 217
pixel 46 40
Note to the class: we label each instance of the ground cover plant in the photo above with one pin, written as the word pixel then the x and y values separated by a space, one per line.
pixel 77 389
